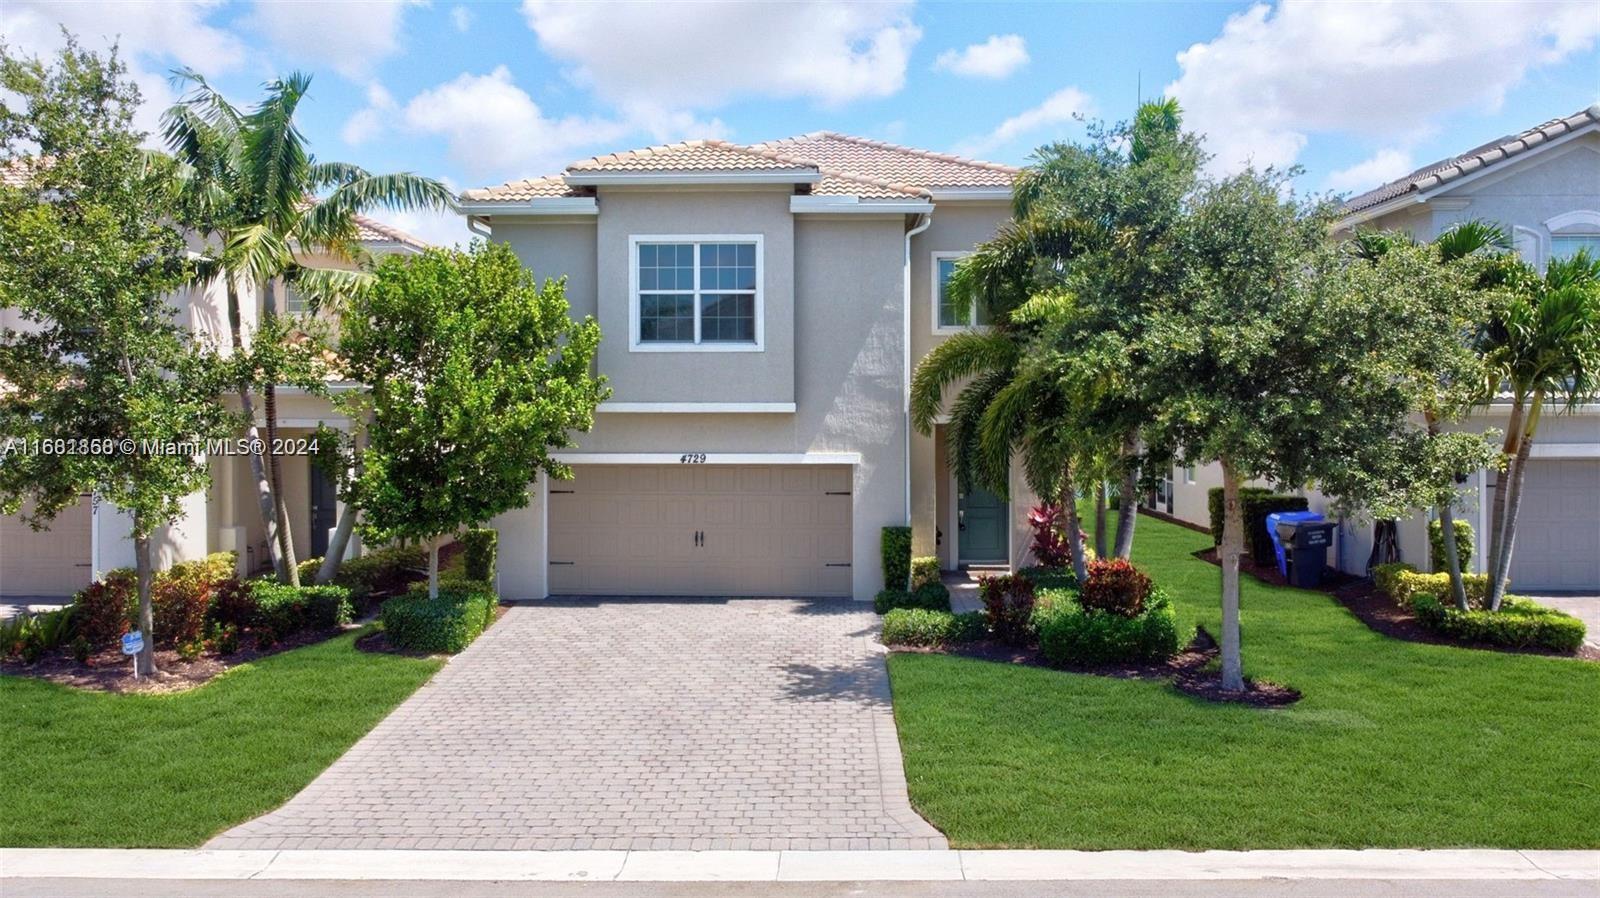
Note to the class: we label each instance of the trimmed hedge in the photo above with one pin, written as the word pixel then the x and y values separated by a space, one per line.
pixel 282 610
pixel 1402 583
pixel 377 573
pixel 1387 576
pixel 1519 623
pixel 446 624
pixel 1436 559
pixel 182 596
pixel 929 596
pixel 1255 503
pixel 924 570
pixel 895 545
pixel 478 553
pixel 924 627
pixel 1071 635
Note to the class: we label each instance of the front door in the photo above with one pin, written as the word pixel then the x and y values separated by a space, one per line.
pixel 982 522
pixel 323 508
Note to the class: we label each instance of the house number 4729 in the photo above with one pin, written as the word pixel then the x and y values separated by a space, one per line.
pixel 692 458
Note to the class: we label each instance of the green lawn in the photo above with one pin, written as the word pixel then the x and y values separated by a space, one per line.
pixel 91 769
pixel 1394 744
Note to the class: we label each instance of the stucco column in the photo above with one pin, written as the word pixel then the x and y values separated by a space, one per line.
pixel 924 496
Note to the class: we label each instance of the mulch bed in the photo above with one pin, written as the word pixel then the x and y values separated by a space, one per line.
pixel 1332 580
pixel 1188 671
pixel 112 671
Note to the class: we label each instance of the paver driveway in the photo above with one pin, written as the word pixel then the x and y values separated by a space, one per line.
pixel 642 724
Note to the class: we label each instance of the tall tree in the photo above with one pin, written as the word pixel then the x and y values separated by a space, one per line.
pixel 101 390
pixel 474 374
pixel 265 205
pixel 1542 345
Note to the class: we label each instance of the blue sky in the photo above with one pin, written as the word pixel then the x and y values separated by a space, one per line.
pixel 479 93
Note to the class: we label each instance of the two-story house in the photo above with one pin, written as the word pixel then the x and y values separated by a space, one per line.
pixel 762 309
pixel 1543 186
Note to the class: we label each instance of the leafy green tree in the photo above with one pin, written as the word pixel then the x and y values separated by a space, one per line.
pixel 1542 344
pixel 474 374
pixel 100 369
pixel 264 204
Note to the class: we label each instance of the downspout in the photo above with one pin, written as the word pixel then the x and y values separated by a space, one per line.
pixel 475 225
pixel 925 220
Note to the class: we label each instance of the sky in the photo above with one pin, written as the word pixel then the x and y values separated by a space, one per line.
pixel 480 93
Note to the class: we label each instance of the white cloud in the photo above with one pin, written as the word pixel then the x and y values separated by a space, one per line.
pixel 1066 105
pixel 1380 168
pixel 349 37
pixel 369 121
pixel 996 57
pixel 676 56
pixel 492 126
pixel 153 38
pixel 461 17
pixel 1275 76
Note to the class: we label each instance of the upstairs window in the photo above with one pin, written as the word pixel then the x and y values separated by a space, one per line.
pixel 950 315
pixel 697 293
pixel 1567 246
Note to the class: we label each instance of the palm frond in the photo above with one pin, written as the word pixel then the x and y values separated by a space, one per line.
pixel 961 356
pixel 257 252
pixel 333 174
pixel 329 289
pixel 401 192
pixel 274 150
pixel 1469 238
pixel 966 422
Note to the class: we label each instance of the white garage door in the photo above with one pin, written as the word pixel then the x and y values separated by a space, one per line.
pixel 52 562
pixel 701 530
pixel 1558 527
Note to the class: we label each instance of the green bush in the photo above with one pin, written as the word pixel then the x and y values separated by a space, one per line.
pixel 925 627
pixel 282 610
pixel 378 573
pixel 1255 503
pixel 930 596
pixel 446 624
pixel 1436 558
pixel 895 545
pixel 31 635
pixel 1071 635
pixel 1520 623
pixel 479 548
pixel 1050 577
pixel 924 570
pixel 1387 576
pixel 102 607
pixel 1406 585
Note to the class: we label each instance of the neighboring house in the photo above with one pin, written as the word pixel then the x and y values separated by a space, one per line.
pixel 90 538
pixel 762 308
pixel 1543 187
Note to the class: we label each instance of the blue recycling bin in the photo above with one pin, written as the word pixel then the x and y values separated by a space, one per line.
pixel 1278 517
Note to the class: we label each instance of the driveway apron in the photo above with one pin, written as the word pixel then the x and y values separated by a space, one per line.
pixel 629 724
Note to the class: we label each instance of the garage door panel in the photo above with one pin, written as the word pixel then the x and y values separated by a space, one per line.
pixel 1558 527
pixel 52 562
pixel 767 530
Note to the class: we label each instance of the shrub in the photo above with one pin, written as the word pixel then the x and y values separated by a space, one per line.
pixel 445 624
pixel 1049 544
pixel 81 650
pixel 924 570
pixel 234 603
pixel 929 596
pixel 1051 577
pixel 102 607
pixel 1387 576
pixel 31 635
pixel 283 610
pixel 377 573
pixel 1115 585
pixel 1215 507
pixel 1008 605
pixel 1520 623
pixel 1436 558
pixel 1072 635
pixel 895 545
pixel 479 548
pixel 179 599
pixel 925 627
pixel 1255 504
pixel 1405 585
pixel 224 638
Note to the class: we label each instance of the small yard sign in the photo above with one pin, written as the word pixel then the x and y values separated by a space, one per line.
pixel 132 643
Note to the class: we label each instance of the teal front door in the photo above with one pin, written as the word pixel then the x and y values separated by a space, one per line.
pixel 981 519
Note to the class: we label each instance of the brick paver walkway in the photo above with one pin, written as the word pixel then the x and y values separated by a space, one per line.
pixel 638 724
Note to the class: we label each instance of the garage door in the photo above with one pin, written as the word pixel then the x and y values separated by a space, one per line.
pixel 1558 527
pixel 52 562
pixel 701 530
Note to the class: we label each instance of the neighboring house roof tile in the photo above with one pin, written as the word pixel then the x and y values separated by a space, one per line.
pixel 369 231
pixel 890 163
pixel 1494 152
pixel 690 156
pixel 550 186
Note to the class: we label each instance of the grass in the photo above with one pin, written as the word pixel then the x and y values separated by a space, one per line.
pixel 94 769
pixel 1395 744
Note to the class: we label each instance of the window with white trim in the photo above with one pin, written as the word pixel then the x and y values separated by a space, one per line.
pixel 1565 246
pixel 696 293
pixel 950 315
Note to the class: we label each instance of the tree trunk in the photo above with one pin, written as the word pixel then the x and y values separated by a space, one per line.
pixel 433 567
pixel 347 520
pixel 1232 548
pixel 1447 530
pixel 145 661
pixel 1500 574
pixel 269 517
pixel 1100 517
pixel 1128 509
pixel 1069 507
pixel 1497 508
pixel 290 571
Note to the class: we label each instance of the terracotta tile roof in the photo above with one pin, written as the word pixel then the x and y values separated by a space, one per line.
pixel 890 163
pixel 1492 153
pixel 369 231
pixel 526 189
pixel 692 155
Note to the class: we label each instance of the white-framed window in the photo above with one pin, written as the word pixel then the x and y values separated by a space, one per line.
pixel 695 292
pixel 948 316
pixel 1565 246
pixel 1188 474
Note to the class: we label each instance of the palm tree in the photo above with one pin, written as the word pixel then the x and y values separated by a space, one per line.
pixel 251 185
pixel 1542 343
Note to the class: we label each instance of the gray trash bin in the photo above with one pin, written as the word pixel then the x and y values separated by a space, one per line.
pixel 1305 545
